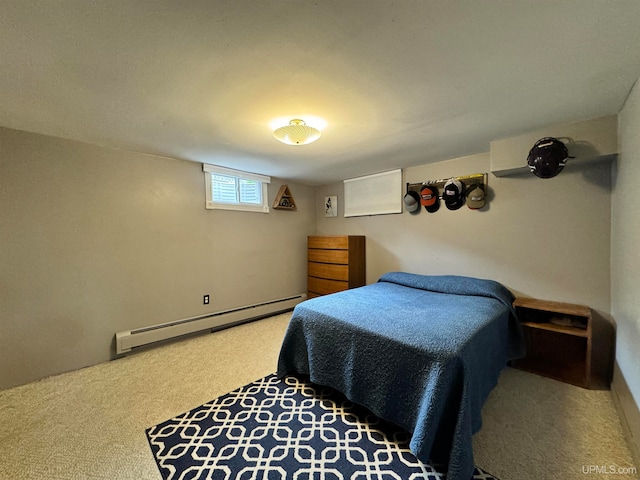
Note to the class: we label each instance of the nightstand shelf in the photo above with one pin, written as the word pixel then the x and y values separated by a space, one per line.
pixel 557 328
pixel 558 337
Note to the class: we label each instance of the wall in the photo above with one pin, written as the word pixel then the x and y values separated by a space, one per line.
pixel 625 248
pixel 544 238
pixel 95 241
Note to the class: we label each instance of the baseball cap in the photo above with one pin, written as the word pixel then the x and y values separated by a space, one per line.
pixel 412 201
pixel 453 194
pixel 475 198
pixel 429 198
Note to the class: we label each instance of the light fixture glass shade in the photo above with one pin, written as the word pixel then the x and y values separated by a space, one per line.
pixel 296 133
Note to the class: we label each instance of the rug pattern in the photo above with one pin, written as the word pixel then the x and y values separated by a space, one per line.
pixel 276 429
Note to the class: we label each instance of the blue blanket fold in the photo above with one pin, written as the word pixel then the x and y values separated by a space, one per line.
pixel 420 351
pixel 452 284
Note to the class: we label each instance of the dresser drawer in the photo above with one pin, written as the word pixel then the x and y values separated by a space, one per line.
pixel 328 271
pixel 329 256
pixel 329 242
pixel 324 287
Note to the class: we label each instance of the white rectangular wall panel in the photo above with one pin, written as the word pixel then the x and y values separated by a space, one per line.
pixel 377 194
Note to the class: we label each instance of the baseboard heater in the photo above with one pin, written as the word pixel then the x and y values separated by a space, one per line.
pixel 129 339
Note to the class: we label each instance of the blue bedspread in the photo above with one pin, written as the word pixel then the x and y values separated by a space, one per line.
pixel 420 351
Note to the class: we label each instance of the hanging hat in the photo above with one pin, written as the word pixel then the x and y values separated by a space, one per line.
pixel 412 202
pixel 429 198
pixel 547 157
pixel 453 194
pixel 475 198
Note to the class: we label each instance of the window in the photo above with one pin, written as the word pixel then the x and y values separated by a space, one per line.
pixel 229 189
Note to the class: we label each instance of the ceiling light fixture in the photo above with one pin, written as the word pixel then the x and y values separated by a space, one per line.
pixel 296 133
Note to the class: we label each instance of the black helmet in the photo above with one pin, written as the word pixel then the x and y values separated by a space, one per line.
pixel 548 157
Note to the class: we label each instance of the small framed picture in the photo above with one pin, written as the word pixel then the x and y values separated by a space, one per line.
pixel 331 206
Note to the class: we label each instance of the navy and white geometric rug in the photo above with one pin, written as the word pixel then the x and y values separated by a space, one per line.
pixel 285 429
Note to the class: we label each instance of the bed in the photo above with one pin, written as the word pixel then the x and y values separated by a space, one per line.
pixel 423 352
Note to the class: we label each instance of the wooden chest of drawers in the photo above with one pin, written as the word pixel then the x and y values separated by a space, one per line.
pixel 335 263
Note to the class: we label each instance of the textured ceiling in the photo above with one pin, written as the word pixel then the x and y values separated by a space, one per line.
pixel 399 83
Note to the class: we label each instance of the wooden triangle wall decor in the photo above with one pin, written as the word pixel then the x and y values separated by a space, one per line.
pixel 284 200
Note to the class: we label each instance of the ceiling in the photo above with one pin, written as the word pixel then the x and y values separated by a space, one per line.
pixel 398 83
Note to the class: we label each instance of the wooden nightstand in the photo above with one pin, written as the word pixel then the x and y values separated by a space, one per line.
pixel 558 338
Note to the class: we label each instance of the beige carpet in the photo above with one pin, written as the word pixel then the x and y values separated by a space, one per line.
pixel 90 423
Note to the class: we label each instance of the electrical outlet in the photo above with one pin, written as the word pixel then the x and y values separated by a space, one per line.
pixel 205 300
